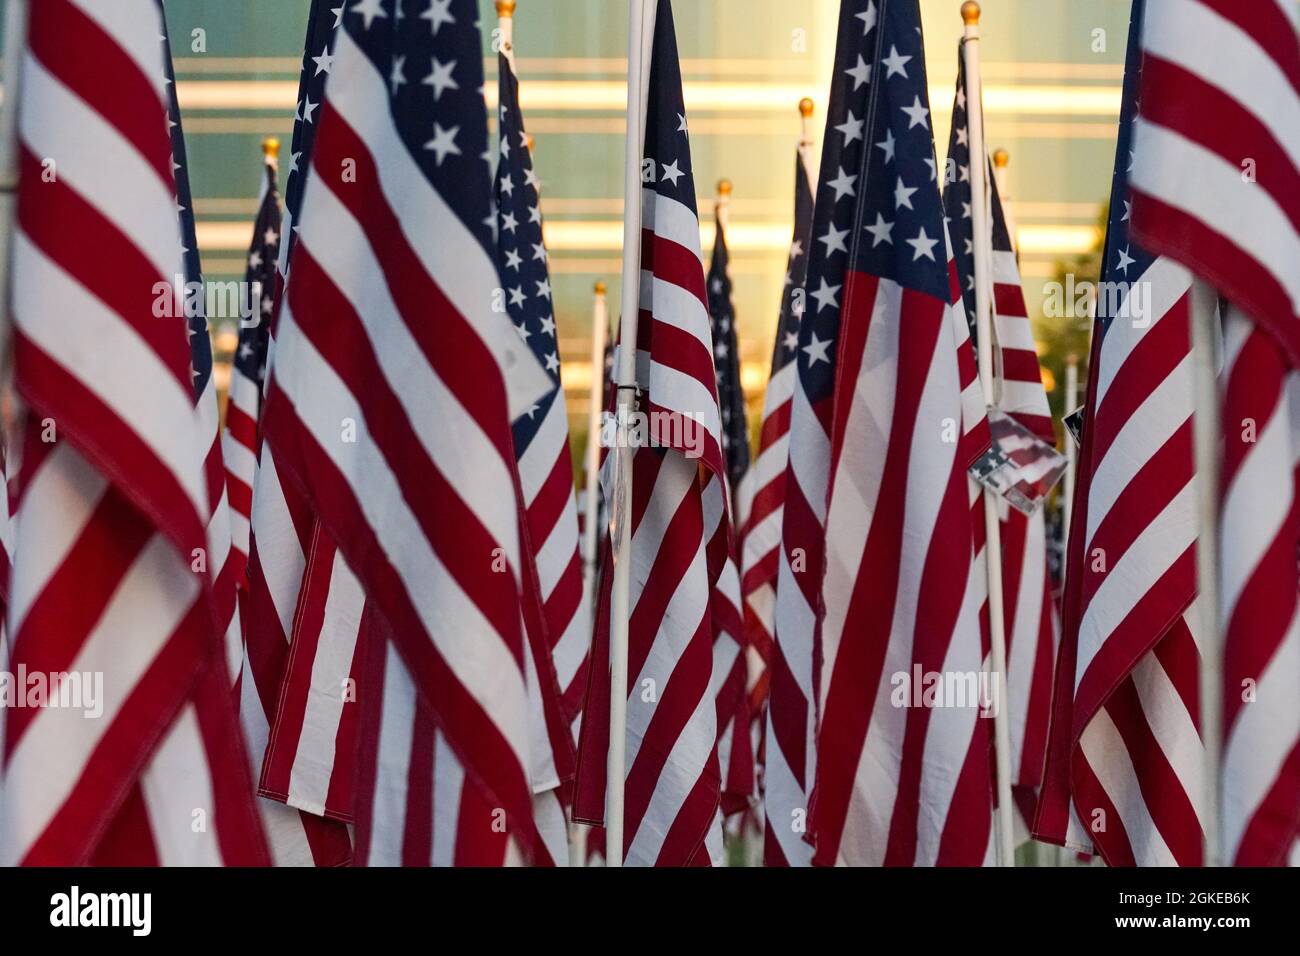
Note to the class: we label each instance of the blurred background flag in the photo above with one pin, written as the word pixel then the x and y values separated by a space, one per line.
pixel 389 406
pixel 1216 186
pixel 1123 774
pixel 761 536
pixel 296 836
pixel 735 746
pixel 1030 613
pixel 896 783
pixel 681 534
pixel 545 463
pixel 116 574
pixel 306 608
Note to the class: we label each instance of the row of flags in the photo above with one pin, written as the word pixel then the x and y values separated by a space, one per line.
pixel 352 627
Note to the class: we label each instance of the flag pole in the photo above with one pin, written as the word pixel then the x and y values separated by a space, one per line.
pixel 591 508
pixel 1206 427
pixel 983 253
pixel 640 34
pixel 1001 159
pixel 1071 453
pixel 15 38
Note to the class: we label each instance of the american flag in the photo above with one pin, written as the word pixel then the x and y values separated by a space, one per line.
pixel 886 372
pixel 116 576
pixel 761 535
pixel 726 357
pixel 282 532
pixel 735 744
pixel 1030 614
pixel 1216 186
pixel 248 370
pixel 1124 769
pixel 392 387
pixel 295 838
pixel 680 525
pixel 541 434
pixel 560 628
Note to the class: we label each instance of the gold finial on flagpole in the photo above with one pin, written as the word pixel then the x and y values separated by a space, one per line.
pixel 724 187
pixel 271 148
pixel 1000 158
pixel 600 287
pixel 505 8
pixel 806 107
pixel 970 13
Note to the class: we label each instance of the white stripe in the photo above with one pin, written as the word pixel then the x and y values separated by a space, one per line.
pixel 177 788
pixel 150 602
pixel 550 442
pixel 466 640
pixel 331 669
pixel 557 552
pixel 1191 35
pixel 784 805
pixel 1128 580
pixel 60 499
pixel 93 159
pixel 1166 283
pixel 671 220
pixel 137 27
pixel 392 763
pixel 458 447
pixel 854 497
pixel 448 782
pixel 284 827
pixel 1172 726
pixel 279 550
pixel 456 261
pixel 1203 185
pixel 1147 430
pixel 1104 749
pixel 675 306
pixel 64 319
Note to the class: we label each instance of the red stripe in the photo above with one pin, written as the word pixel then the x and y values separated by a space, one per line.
pixel 448 341
pixel 74 234
pixel 487 756
pixel 453 530
pixel 76 50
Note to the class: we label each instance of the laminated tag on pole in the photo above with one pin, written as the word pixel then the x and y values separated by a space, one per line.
pixel 1019 466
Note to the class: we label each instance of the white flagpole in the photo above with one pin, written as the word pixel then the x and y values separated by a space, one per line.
pixel 15 40
pixel 1071 453
pixel 577 833
pixel 1206 427
pixel 1001 158
pixel 591 508
pixel 640 36
pixel 970 12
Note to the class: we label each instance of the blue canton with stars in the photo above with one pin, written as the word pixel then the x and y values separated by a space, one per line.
pixel 726 360
pixel 667 146
pixel 1124 260
pixel 957 200
pixel 878 210
pixel 521 254
pixel 254 335
pixel 200 342
pixel 786 346
pixel 431 52
pixel 317 60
